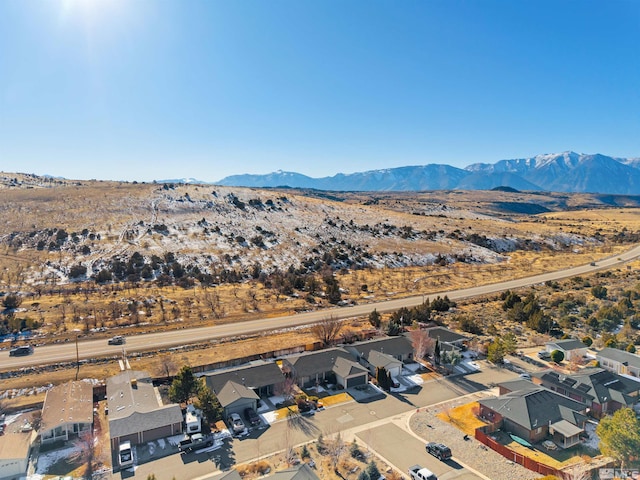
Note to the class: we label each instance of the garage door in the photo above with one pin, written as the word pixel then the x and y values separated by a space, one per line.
pixel 355 381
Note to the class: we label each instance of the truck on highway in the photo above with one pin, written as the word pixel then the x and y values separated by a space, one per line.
pixel 195 442
pixel 421 473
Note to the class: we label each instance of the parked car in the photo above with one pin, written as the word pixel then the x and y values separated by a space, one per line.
pixel 21 351
pixel 251 416
pixel 420 473
pixel 438 450
pixel 236 423
pixel 117 340
pixel 544 355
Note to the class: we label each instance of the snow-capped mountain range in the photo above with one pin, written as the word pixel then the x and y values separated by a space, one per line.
pixel 560 172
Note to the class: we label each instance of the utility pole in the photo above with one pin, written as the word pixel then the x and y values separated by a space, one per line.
pixel 77 359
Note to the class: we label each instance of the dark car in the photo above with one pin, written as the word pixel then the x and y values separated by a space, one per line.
pixel 438 450
pixel 21 351
pixel 117 340
pixel 251 416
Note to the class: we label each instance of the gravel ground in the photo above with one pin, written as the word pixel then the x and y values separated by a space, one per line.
pixel 470 452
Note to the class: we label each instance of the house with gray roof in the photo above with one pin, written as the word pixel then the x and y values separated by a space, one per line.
pixel 447 336
pixel 313 368
pixel 398 347
pixel 376 360
pixel 67 412
pixel 136 411
pixel 301 472
pixel 230 475
pixel 536 412
pixel 349 373
pixel 234 398
pixel 619 361
pixel 573 349
pixel 599 389
pixel 262 377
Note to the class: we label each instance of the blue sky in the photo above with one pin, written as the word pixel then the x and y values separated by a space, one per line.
pixel 144 90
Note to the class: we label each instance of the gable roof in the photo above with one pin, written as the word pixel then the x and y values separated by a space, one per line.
pixel 346 368
pixel 533 408
pixel 567 344
pixel 518 384
pixel 230 475
pixel 301 472
pixel 445 335
pixel 69 403
pixel 232 392
pixel 143 421
pixel 625 358
pixel 394 346
pixel 131 391
pixel 255 375
pixel 378 360
pixel 135 406
pixel 594 384
pixel 311 363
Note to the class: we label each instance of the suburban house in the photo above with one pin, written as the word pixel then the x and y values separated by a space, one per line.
pixel 573 349
pixel 398 347
pixel 600 390
pixel 349 373
pixel 15 448
pixel 514 385
pixel 313 368
pixel 301 472
pixel 136 411
pixel 262 377
pixel 533 413
pixel 67 412
pixel 230 475
pixel 448 337
pixel 619 361
pixel 376 360
pixel 235 397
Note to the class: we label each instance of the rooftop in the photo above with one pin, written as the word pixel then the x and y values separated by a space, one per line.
pixel 69 403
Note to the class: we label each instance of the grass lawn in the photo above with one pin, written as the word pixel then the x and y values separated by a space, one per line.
pixel 463 418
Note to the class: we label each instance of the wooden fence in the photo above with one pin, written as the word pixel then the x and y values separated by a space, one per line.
pixel 518 458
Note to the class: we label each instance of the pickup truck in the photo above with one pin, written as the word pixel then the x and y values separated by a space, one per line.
pixel 420 473
pixel 196 441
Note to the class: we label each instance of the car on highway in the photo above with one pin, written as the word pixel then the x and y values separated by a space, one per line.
pixel 117 340
pixel 438 450
pixel 21 351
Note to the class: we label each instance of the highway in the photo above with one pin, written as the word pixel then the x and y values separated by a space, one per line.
pixel 57 353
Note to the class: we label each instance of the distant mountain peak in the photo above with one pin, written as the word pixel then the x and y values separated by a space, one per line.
pixel 563 172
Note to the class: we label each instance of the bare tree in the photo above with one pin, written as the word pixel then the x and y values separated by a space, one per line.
pixel 287 388
pixel 336 448
pixel 327 330
pixel 85 453
pixel 166 366
pixel 422 344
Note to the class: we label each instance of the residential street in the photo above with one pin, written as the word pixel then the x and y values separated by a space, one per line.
pixel 371 422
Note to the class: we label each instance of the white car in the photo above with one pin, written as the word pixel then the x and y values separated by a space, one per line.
pixel 237 425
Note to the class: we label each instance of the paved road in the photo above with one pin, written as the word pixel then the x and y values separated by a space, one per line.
pixel 403 450
pixel 96 348
pixel 351 419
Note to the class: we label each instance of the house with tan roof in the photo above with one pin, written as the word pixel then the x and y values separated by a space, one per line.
pixel 67 412
pixel 15 449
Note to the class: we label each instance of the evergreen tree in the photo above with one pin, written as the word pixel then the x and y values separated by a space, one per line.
pixel 372 471
pixel 209 404
pixel 436 352
pixel 185 385
pixel 374 319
